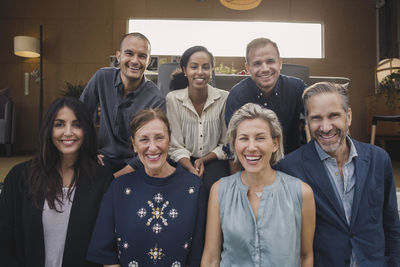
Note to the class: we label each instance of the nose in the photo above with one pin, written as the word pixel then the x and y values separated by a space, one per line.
pixel 152 145
pixel 264 66
pixel 67 130
pixel 199 70
pixel 134 59
pixel 251 145
pixel 325 126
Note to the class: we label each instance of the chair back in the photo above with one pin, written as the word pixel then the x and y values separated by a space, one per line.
pixel 298 71
pixel 164 76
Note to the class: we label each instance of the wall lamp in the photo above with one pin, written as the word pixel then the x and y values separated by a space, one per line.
pixel 31 47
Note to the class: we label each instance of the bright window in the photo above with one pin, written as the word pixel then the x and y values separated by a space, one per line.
pixel 229 38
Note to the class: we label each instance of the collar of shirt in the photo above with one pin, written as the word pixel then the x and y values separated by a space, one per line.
pixel 212 95
pixel 275 92
pixel 120 86
pixel 323 155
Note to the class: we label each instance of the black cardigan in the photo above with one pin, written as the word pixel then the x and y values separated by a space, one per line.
pixel 21 228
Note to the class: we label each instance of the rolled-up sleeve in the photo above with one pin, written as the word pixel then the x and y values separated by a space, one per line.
pixel 177 149
pixel 90 95
pixel 221 155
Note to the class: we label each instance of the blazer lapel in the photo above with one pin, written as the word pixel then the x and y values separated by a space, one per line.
pixel 73 240
pixel 362 162
pixel 35 235
pixel 316 172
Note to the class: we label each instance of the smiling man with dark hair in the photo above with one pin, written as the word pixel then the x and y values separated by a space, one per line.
pixel 121 93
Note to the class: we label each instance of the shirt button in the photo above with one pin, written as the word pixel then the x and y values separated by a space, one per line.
pixel 200 122
pixel 201 135
pixel 201 148
pixel 265 104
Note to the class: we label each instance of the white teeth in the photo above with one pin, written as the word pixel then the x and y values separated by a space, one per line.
pixel 252 158
pixel 153 156
pixel 68 142
pixel 266 76
pixel 327 136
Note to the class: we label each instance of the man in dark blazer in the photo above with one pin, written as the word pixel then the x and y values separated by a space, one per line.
pixel 357 222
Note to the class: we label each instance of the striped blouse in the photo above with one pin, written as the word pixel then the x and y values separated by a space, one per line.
pixel 194 135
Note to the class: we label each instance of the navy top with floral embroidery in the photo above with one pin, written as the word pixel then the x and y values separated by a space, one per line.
pixel 148 221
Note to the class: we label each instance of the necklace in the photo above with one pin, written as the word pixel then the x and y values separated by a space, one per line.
pixel 259 194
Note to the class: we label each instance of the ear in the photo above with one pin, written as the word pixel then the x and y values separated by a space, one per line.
pixel 280 64
pixel 118 54
pixel 133 143
pixel 275 145
pixel 349 117
pixel 247 67
pixel 148 61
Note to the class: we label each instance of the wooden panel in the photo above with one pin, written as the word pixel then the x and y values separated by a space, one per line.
pixel 376 105
pixel 80 35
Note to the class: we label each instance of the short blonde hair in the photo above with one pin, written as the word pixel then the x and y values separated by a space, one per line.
pixel 252 111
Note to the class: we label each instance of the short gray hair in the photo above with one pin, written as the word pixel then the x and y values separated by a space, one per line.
pixel 252 111
pixel 326 87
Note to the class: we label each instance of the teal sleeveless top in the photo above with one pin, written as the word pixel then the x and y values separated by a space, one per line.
pixel 273 239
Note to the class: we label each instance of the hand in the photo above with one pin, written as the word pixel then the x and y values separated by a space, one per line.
pixel 124 170
pixel 100 159
pixel 194 171
pixel 199 166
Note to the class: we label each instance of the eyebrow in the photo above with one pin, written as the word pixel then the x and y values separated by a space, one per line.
pixel 61 120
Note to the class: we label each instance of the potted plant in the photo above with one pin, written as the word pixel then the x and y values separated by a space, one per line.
pixel 72 90
pixel 389 86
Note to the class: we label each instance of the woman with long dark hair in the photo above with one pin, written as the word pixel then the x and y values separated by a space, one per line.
pixel 49 205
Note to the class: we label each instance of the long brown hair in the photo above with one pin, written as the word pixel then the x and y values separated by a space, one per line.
pixel 43 177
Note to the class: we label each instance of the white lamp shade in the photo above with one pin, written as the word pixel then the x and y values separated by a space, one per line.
pixel 386 67
pixel 26 46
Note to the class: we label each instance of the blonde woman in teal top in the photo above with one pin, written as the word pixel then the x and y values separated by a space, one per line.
pixel 259 216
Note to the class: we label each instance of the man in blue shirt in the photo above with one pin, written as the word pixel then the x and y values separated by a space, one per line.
pixel 121 93
pixel 268 88
pixel 357 222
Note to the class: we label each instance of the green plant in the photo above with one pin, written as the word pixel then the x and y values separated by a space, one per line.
pixel 389 86
pixel 72 90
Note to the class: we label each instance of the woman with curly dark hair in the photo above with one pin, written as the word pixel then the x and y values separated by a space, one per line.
pixel 49 205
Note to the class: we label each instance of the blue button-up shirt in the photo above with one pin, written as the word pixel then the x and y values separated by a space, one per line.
pixel 285 101
pixel 342 186
pixel 106 89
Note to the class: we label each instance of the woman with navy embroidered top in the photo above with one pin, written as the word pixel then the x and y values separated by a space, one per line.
pixel 155 215
pixel 262 217
pixel 49 205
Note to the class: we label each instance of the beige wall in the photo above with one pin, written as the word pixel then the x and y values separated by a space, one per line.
pixel 79 36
